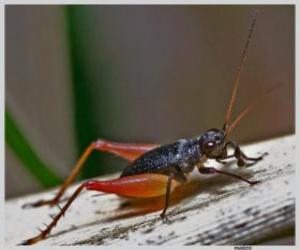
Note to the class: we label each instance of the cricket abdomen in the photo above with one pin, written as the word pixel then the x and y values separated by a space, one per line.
pixel 177 158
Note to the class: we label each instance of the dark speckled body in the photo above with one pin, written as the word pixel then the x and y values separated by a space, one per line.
pixel 177 158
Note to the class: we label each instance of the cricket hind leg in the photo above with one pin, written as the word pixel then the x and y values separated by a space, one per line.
pixel 44 233
pixel 128 151
pixel 143 185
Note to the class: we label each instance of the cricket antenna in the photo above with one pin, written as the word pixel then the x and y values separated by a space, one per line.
pixel 249 107
pixel 238 75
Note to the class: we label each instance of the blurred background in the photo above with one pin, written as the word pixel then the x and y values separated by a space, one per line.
pixel 151 74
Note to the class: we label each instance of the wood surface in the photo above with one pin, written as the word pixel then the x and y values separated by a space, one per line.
pixel 209 210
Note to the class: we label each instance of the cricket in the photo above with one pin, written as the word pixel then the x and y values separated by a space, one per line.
pixel 157 170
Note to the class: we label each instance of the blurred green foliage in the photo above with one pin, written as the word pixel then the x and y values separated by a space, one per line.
pixel 86 128
pixel 19 144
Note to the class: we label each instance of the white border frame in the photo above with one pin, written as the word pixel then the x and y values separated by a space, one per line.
pixel 140 2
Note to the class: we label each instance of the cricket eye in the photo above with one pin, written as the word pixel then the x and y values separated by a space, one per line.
pixel 209 144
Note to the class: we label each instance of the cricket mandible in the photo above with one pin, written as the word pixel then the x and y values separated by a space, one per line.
pixel 156 170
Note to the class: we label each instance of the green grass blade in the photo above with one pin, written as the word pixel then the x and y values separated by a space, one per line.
pixel 26 154
pixel 84 118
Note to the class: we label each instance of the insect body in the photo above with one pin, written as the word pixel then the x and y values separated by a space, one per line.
pixel 155 170
pixel 177 158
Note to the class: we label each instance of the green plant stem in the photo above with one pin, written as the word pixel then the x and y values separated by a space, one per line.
pixel 19 144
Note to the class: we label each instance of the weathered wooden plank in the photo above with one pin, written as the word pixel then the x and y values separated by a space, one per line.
pixel 209 210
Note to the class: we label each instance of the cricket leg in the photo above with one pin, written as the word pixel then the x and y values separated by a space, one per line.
pixel 221 160
pixel 44 233
pixel 242 157
pixel 253 159
pixel 210 170
pixel 167 196
pixel 224 155
pixel 143 185
pixel 128 151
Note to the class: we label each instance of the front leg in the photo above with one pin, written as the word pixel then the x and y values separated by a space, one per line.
pixel 224 156
pixel 221 159
pixel 242 157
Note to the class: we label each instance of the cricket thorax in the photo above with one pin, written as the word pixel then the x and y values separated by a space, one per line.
pixel 189 154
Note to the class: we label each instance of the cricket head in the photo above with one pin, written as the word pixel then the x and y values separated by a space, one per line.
pixel 212 143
